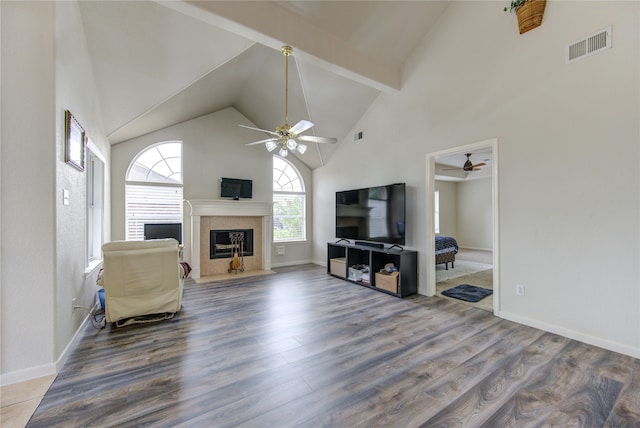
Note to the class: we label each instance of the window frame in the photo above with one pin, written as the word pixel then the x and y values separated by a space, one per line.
pixel 153 184
pixel 95 203
pixel 436 211
pixel 301 195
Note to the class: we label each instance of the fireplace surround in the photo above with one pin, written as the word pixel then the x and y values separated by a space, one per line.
pixel 221 243
pixel 208 214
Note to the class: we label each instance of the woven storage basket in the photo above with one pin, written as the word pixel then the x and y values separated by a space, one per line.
pixel 530 15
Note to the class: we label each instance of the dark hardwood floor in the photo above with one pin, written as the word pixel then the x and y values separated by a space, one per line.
pixel 302 348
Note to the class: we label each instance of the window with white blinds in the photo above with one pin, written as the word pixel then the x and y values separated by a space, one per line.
pixel 151 204
pixel 154 188
pixel 289 217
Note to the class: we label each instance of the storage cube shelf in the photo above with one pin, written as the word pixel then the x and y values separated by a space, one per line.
pixel 338 267
pixel 387 282
pixel 342 256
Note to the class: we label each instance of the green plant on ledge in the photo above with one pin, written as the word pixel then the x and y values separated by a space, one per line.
pixel 515 5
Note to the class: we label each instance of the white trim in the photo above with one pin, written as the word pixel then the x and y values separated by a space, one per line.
pixel 296 263
pixel 94 265
pixel 464 247
pixel 27 374
pixel 46 369
pixel 571 334
pixel 76 337
pixel 430 288
pixel 96 151
pixel 151 146
pixel 220 207
pixel 153 183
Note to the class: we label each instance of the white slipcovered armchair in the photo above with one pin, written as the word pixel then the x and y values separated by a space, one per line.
pixel 141 278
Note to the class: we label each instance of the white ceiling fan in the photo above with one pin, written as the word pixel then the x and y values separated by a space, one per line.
pixel 287 137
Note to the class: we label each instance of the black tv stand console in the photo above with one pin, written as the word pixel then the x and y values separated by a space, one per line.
pixel 369 244
pixel 344 260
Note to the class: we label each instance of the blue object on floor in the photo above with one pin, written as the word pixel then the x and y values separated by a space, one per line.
pixel 468 293
pixel 101 297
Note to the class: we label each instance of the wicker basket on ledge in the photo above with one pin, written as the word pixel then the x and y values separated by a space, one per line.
pixel 530 15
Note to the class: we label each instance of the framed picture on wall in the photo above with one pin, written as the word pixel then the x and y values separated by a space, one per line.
pixel 74 141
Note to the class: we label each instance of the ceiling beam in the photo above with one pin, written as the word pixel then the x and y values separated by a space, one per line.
pixel 271 25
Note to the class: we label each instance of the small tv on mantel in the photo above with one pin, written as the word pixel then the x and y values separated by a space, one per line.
pixel 236 188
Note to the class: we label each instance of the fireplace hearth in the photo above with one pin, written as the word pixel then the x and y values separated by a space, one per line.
pixel 224 243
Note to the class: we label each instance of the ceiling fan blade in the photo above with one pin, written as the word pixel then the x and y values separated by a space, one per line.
pixel 262 141
pixel 261 130
pixel 300 127
pixel 478 164
pixel 314 139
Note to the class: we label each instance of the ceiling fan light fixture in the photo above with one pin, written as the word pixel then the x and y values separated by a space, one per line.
pixel 271 146
pixel 287 137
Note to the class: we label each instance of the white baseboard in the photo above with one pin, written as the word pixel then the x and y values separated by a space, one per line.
pixel 571 334
pixel 72 343
pixel 28 374
pixel 46 369
pixel 464 247
pixel 290 263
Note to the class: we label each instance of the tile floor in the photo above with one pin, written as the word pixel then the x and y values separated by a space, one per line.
pixel 20 400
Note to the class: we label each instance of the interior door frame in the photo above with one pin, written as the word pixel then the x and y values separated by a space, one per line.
pixel 429 197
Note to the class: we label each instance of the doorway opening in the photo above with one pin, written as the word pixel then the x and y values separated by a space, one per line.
pixel 462 202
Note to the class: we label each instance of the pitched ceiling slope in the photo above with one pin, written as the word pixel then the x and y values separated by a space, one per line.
pixel 159 64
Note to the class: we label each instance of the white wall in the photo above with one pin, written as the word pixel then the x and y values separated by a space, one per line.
pixel 45 70
pixel 75 91
pixel 473 78
pixel 28 189
pixel 213 147
pixel 475 214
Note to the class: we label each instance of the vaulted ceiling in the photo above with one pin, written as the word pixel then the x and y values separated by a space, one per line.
pixel 161 63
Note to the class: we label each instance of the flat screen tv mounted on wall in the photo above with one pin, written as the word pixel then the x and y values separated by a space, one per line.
pixel 375 214
pixel 236 188
pixel 163 230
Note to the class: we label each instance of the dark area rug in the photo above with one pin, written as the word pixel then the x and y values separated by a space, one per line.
pixel 468 293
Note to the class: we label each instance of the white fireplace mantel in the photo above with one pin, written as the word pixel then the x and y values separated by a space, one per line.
pixel 229 208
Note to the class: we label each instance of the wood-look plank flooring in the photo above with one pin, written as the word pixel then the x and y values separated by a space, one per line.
pixel 302 348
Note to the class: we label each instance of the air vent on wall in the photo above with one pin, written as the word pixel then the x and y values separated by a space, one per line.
pixel 590 45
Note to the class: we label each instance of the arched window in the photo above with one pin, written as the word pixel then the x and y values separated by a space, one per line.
pixel 289 219
pixel 154 188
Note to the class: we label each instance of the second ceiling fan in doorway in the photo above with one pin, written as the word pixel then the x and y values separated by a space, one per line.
pixel 468 165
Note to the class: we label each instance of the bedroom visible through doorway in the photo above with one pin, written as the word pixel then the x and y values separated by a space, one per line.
pixel 462 185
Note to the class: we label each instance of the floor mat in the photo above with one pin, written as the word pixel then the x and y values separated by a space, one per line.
pixel 468 293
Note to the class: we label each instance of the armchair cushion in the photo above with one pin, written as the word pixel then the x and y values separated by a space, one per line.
pixel 141 278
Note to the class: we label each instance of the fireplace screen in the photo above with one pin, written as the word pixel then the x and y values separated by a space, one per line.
pixel 224 243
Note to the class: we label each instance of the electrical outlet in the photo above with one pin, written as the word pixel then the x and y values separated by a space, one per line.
pixel 280 250
pixel 519 290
